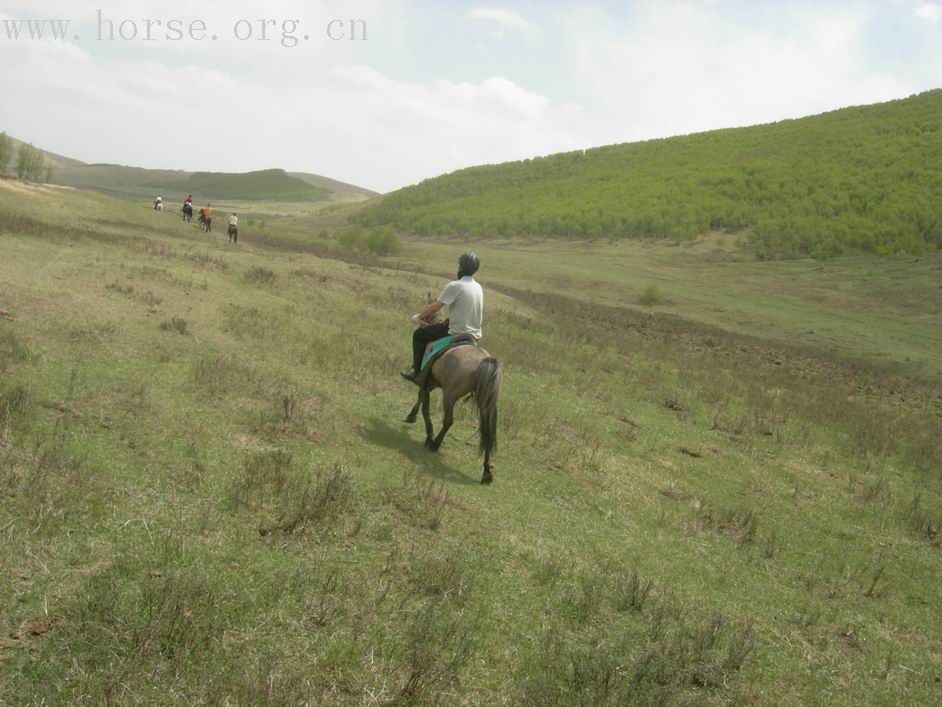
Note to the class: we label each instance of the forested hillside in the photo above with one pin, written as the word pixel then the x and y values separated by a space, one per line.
pixel 857 180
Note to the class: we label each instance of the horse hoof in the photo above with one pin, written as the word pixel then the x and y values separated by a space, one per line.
pixel 434 447
pixel 410 419
pixel 428 443
pixel 486 479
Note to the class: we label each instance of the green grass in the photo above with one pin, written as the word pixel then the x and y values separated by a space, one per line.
pixel 884 311
pixel 271 184
pixel 271 191
pixel 234 513
pixel 857 180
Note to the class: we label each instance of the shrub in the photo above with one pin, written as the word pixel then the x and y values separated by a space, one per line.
pixel 176 324
pixel 652 296
pixel 261 276
pixel 383 242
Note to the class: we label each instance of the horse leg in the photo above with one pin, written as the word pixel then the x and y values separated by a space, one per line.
pixel 425 396
pixel 448 405
pixel 414 413
pixel 487 477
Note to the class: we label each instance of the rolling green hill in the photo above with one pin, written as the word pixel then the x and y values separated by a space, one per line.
pixel 857 180
pixel 267 184
pixel 139 183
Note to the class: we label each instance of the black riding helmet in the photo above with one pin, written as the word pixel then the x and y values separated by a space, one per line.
pixel 469 263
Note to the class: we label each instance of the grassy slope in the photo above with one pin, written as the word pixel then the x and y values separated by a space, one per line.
pixel 268 185
pixel 863 179
pixel 58 161
pixel 154 517
pixel 272 186
pixel 341 191
pixel 880 310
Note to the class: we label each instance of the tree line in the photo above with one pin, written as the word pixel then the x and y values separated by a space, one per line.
pixel 30 163
pixel 857 180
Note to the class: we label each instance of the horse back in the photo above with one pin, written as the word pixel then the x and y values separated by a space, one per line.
pixel 456 371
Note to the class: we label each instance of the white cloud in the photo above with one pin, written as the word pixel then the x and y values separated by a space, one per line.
pixel 687 67
pixel 502 20
pixel 928 11
pixel 351 122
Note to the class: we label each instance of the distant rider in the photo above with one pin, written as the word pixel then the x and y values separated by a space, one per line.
pixel 234 228
pixel 465 301
pixel 158 202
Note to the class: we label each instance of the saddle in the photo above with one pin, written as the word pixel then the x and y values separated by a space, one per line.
pixel 438 348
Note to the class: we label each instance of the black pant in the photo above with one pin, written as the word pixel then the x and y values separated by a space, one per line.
pixel 421 337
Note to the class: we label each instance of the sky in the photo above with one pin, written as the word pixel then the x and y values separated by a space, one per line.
pixel 383 94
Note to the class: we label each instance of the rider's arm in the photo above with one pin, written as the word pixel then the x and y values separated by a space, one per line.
pixel 430 311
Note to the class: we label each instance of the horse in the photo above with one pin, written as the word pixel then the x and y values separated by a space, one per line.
pixel 206 222
pixel 462 373
pixel 233 233
pixel 188 212
pixel 158 206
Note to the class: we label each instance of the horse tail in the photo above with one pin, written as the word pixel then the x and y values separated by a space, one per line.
pixel 487 390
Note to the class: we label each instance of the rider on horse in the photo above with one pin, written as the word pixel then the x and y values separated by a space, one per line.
pixel 465 301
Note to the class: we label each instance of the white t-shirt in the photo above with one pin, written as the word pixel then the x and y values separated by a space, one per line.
pixel 465 300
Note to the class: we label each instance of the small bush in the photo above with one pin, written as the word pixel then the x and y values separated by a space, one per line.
pixel 382 242
pixel 14 404
pixel 652 296
pixel 631 590
pixel 306 500
pixel 176 324
pixel 921 522
pixel 261 276
pixel 224 374
pixel 739 524
pixel 12 350
pixel 264 474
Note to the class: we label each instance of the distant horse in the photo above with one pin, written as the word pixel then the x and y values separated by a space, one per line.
pixel 233 233
pixel 462 372
pixel 158 206
pixel 206 222
pixel 188 212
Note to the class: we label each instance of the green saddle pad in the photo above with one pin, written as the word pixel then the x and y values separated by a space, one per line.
pixel 437 347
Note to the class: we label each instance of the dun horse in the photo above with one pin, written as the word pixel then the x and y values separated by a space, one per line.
pixel 462 372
